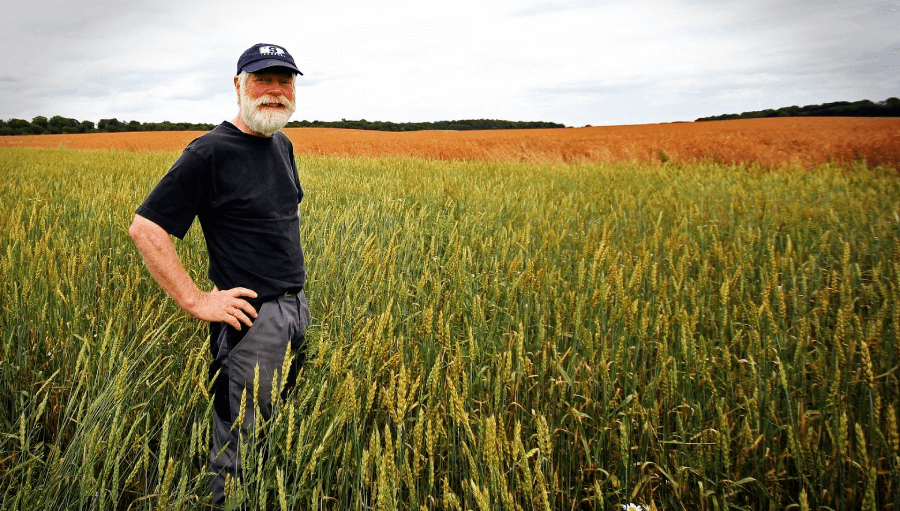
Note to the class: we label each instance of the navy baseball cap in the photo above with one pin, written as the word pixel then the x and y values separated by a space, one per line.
pixel 260 56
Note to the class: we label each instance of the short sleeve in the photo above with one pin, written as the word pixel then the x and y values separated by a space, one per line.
pixel 175 201
pixel 296 178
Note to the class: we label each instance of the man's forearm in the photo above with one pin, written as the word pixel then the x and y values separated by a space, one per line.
pixel 159 255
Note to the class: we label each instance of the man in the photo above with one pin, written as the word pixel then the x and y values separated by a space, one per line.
pixel 241 181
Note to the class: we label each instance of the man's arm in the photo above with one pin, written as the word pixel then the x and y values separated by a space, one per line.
pixel 159 255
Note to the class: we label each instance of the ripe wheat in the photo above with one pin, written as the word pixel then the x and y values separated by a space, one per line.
pixel 486 336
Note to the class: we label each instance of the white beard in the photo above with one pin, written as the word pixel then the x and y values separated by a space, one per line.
pixel 268 121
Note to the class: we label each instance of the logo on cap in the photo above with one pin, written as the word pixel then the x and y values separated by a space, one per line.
pixel 271 50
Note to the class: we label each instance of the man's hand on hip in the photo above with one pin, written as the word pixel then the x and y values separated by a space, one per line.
pixel 225 306
pixel 159 254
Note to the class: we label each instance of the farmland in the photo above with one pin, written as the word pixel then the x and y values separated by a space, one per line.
pixel 522 326
pixel 783 141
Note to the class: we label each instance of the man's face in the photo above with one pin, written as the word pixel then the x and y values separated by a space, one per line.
pixel 267 101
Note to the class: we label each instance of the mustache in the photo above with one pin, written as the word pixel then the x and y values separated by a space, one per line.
pixel 266 120
pixel 270 100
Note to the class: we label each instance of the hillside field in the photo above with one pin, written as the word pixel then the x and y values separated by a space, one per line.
pixel 567 332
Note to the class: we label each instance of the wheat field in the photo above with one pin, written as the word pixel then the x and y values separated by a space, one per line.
pixel 773 142
pixel 486 335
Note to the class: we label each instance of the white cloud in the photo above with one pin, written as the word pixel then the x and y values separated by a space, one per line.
pixel 741 95
pixel 571 61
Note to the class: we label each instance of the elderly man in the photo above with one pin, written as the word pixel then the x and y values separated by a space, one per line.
pixel 241 181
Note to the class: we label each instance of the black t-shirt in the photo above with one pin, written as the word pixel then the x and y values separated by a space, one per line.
pixel 245 191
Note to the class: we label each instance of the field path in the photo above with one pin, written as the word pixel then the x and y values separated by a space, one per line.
pixel 798 140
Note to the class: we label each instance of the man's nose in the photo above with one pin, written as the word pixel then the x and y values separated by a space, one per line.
pixel 278 90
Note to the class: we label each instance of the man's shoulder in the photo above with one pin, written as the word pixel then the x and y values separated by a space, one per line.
pixel 282 139
pixel 208 143
pixel 212 136
pixel 232 144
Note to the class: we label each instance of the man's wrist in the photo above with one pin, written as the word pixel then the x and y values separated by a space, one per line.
pixel 190 302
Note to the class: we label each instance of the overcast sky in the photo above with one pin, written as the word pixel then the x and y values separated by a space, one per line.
pixel 575 62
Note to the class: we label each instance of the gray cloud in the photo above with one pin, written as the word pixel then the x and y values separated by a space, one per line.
pixel 544 8
pixel 885 62
pixel 571 61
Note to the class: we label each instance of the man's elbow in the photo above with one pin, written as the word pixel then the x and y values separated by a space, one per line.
pixel 136 230
pixel 142 229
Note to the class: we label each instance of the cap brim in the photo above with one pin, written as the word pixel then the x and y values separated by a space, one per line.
pixel 263 64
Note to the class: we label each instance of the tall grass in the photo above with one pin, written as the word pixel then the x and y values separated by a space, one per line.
pixel 485 336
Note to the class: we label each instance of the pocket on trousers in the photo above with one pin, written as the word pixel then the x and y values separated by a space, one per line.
pixel 298 341
pixel 303 311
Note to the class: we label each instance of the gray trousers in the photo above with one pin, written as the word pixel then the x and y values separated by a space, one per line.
pixel 236 354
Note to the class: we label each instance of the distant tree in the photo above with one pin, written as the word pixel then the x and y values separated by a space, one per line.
pixel 109 125
pixel 40 121
pixel 864 108
pixel 85 127
pixel 58 121
pixel 788 111
pixel 22 127
pixel 59 124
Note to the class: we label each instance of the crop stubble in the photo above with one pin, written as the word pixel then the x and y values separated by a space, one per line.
pixel 796 140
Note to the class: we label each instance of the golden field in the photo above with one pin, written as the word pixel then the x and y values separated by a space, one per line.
pixel 803 141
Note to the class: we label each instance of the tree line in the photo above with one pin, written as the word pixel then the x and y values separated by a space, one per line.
pixel 57 124
pixel 865 108
pixel 468 124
